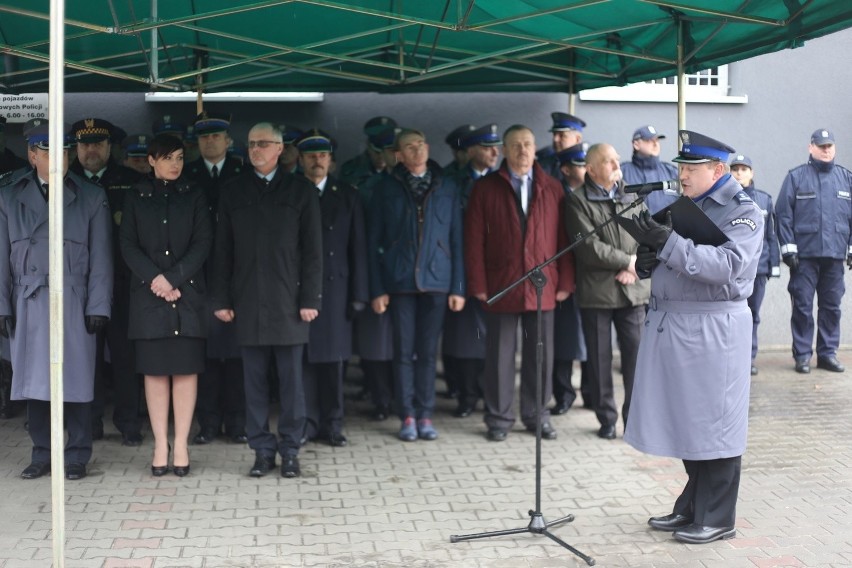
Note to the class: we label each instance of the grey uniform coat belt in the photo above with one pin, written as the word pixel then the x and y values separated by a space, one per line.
pixel 701 354
pixel 23 291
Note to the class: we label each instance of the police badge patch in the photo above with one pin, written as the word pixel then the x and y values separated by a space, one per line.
pixel 744 221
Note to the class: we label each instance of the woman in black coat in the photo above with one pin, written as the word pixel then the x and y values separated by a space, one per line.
pixel 166 235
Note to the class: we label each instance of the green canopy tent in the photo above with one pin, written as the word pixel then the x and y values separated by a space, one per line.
pixel 392 46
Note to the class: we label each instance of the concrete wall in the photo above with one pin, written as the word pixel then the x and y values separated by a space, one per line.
pixel 790 94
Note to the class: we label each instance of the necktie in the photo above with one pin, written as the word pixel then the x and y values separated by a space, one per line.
pixel 44 191
pixel 94 179
pixel 214 172
pixel 525 193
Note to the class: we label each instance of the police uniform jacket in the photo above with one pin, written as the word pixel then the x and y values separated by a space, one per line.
pixel 501 244
pixel 373 332
pixel 357 170
pixel 267 262
pixel 24 287
pixel 604 253
pixel 814 211
pixel 648 169
pixel 197 171
pixel 415 247
pixel 770 257
pixel 344 269
pixel 691 392
pixel 166 229
pixel 464 331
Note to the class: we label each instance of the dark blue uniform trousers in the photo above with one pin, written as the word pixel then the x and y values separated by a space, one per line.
pixel 78 423
pixel 825 277
pixel 323 383
pixel 710 495
pixel 417 321
pixel 291 413
pixel 754 303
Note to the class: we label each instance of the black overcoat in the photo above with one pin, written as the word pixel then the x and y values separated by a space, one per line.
pixel 267 262
pixel 166 229
pixel 344 268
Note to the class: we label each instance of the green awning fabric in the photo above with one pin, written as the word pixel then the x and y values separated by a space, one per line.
pixel 395 45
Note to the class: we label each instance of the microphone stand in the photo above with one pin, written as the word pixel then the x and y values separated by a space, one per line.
pixel 538 524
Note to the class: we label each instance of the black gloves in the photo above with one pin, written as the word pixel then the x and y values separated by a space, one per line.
pixel 792 260
pixel 95 323
pixel 646 260
pixel 653 234
pixel 849 261
pixel 7 325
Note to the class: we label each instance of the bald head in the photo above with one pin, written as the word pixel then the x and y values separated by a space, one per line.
pixel 603 165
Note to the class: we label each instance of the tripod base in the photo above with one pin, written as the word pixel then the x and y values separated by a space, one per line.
pixel 537 526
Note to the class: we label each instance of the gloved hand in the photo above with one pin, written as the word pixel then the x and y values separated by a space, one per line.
pixel 95 323
pixel 646 260
pixel 849 261
pixel 791 260
pixel 653 234
pixel 7 325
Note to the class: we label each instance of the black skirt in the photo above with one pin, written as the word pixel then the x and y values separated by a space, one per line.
pixel 170 356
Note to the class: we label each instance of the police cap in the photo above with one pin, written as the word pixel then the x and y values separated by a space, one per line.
pixel 212 122
pixel 647 133
pixel 168 125
pixel 741 160
pixel 91 130
pixel 563 121
pixel 315 141
pixel 454 138
pixel 37 133
pixel 384 139
pixel 822 136
pixel 483 136
pixel 697 149
pixel 290 133
pixel 574 155
pixel 378 124
pixel 136 145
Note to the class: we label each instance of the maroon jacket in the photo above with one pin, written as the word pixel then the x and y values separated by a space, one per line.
pixel 498 250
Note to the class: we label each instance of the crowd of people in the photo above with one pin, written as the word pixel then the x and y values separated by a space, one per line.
pixel 209 280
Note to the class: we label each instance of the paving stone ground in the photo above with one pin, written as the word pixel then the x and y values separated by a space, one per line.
pixel 384 503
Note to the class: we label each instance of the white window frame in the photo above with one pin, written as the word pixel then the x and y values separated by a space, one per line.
pixel 665 90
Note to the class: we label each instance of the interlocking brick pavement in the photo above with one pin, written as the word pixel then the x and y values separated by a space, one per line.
pixel 383 503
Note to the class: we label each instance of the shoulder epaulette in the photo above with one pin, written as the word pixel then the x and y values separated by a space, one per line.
pixel 7 178
pixel 742 198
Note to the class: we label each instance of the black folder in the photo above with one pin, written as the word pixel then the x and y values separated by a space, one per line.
pixel 688 221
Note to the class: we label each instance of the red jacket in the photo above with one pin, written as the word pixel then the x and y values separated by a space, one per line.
pixel 497 250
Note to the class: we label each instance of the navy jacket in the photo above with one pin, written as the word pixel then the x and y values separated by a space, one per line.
pixel 770 257
pixel 412 248
pixel 648 169
pixel 814 211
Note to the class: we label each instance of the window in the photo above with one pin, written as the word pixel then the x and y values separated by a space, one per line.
pixel 708 86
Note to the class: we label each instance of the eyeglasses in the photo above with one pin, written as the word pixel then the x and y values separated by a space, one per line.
pixel 262 143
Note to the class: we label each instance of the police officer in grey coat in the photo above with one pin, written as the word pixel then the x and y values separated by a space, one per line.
pixel 25 303
pixel 691 394
pixel 814 213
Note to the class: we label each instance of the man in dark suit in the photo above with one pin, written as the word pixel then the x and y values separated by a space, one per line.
pixel 94 163
pixel 268 281
pixel 221 396
pixel 344 290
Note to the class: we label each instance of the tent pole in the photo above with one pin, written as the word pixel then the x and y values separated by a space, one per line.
pixel 681 81
pixel 56 114
pixel 155 47
pixel 572 95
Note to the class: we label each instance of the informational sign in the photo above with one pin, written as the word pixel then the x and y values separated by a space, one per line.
pixel 21 108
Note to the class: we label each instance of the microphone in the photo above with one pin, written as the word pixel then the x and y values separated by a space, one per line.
pixel 646 188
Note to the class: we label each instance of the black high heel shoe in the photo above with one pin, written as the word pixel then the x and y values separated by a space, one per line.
pixel 182 470
pixel 161 470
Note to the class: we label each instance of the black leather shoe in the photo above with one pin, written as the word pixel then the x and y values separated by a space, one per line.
pixel 696 534
pixel 607 432
pixel 97 430
pixel 547 431
pixel 159 470
pixel 753 370
pixel 670 523
pixel 803 366
pixel 380 414
pixel 131 439
pixel 181 470
pixel 204 437
pixel 496 435
pixel 74 471
pixel 290 467
pixel 36 470
pixel 262 466
pixel 560 408
pixel 463 410
pixel 830 363
pixel 336 439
